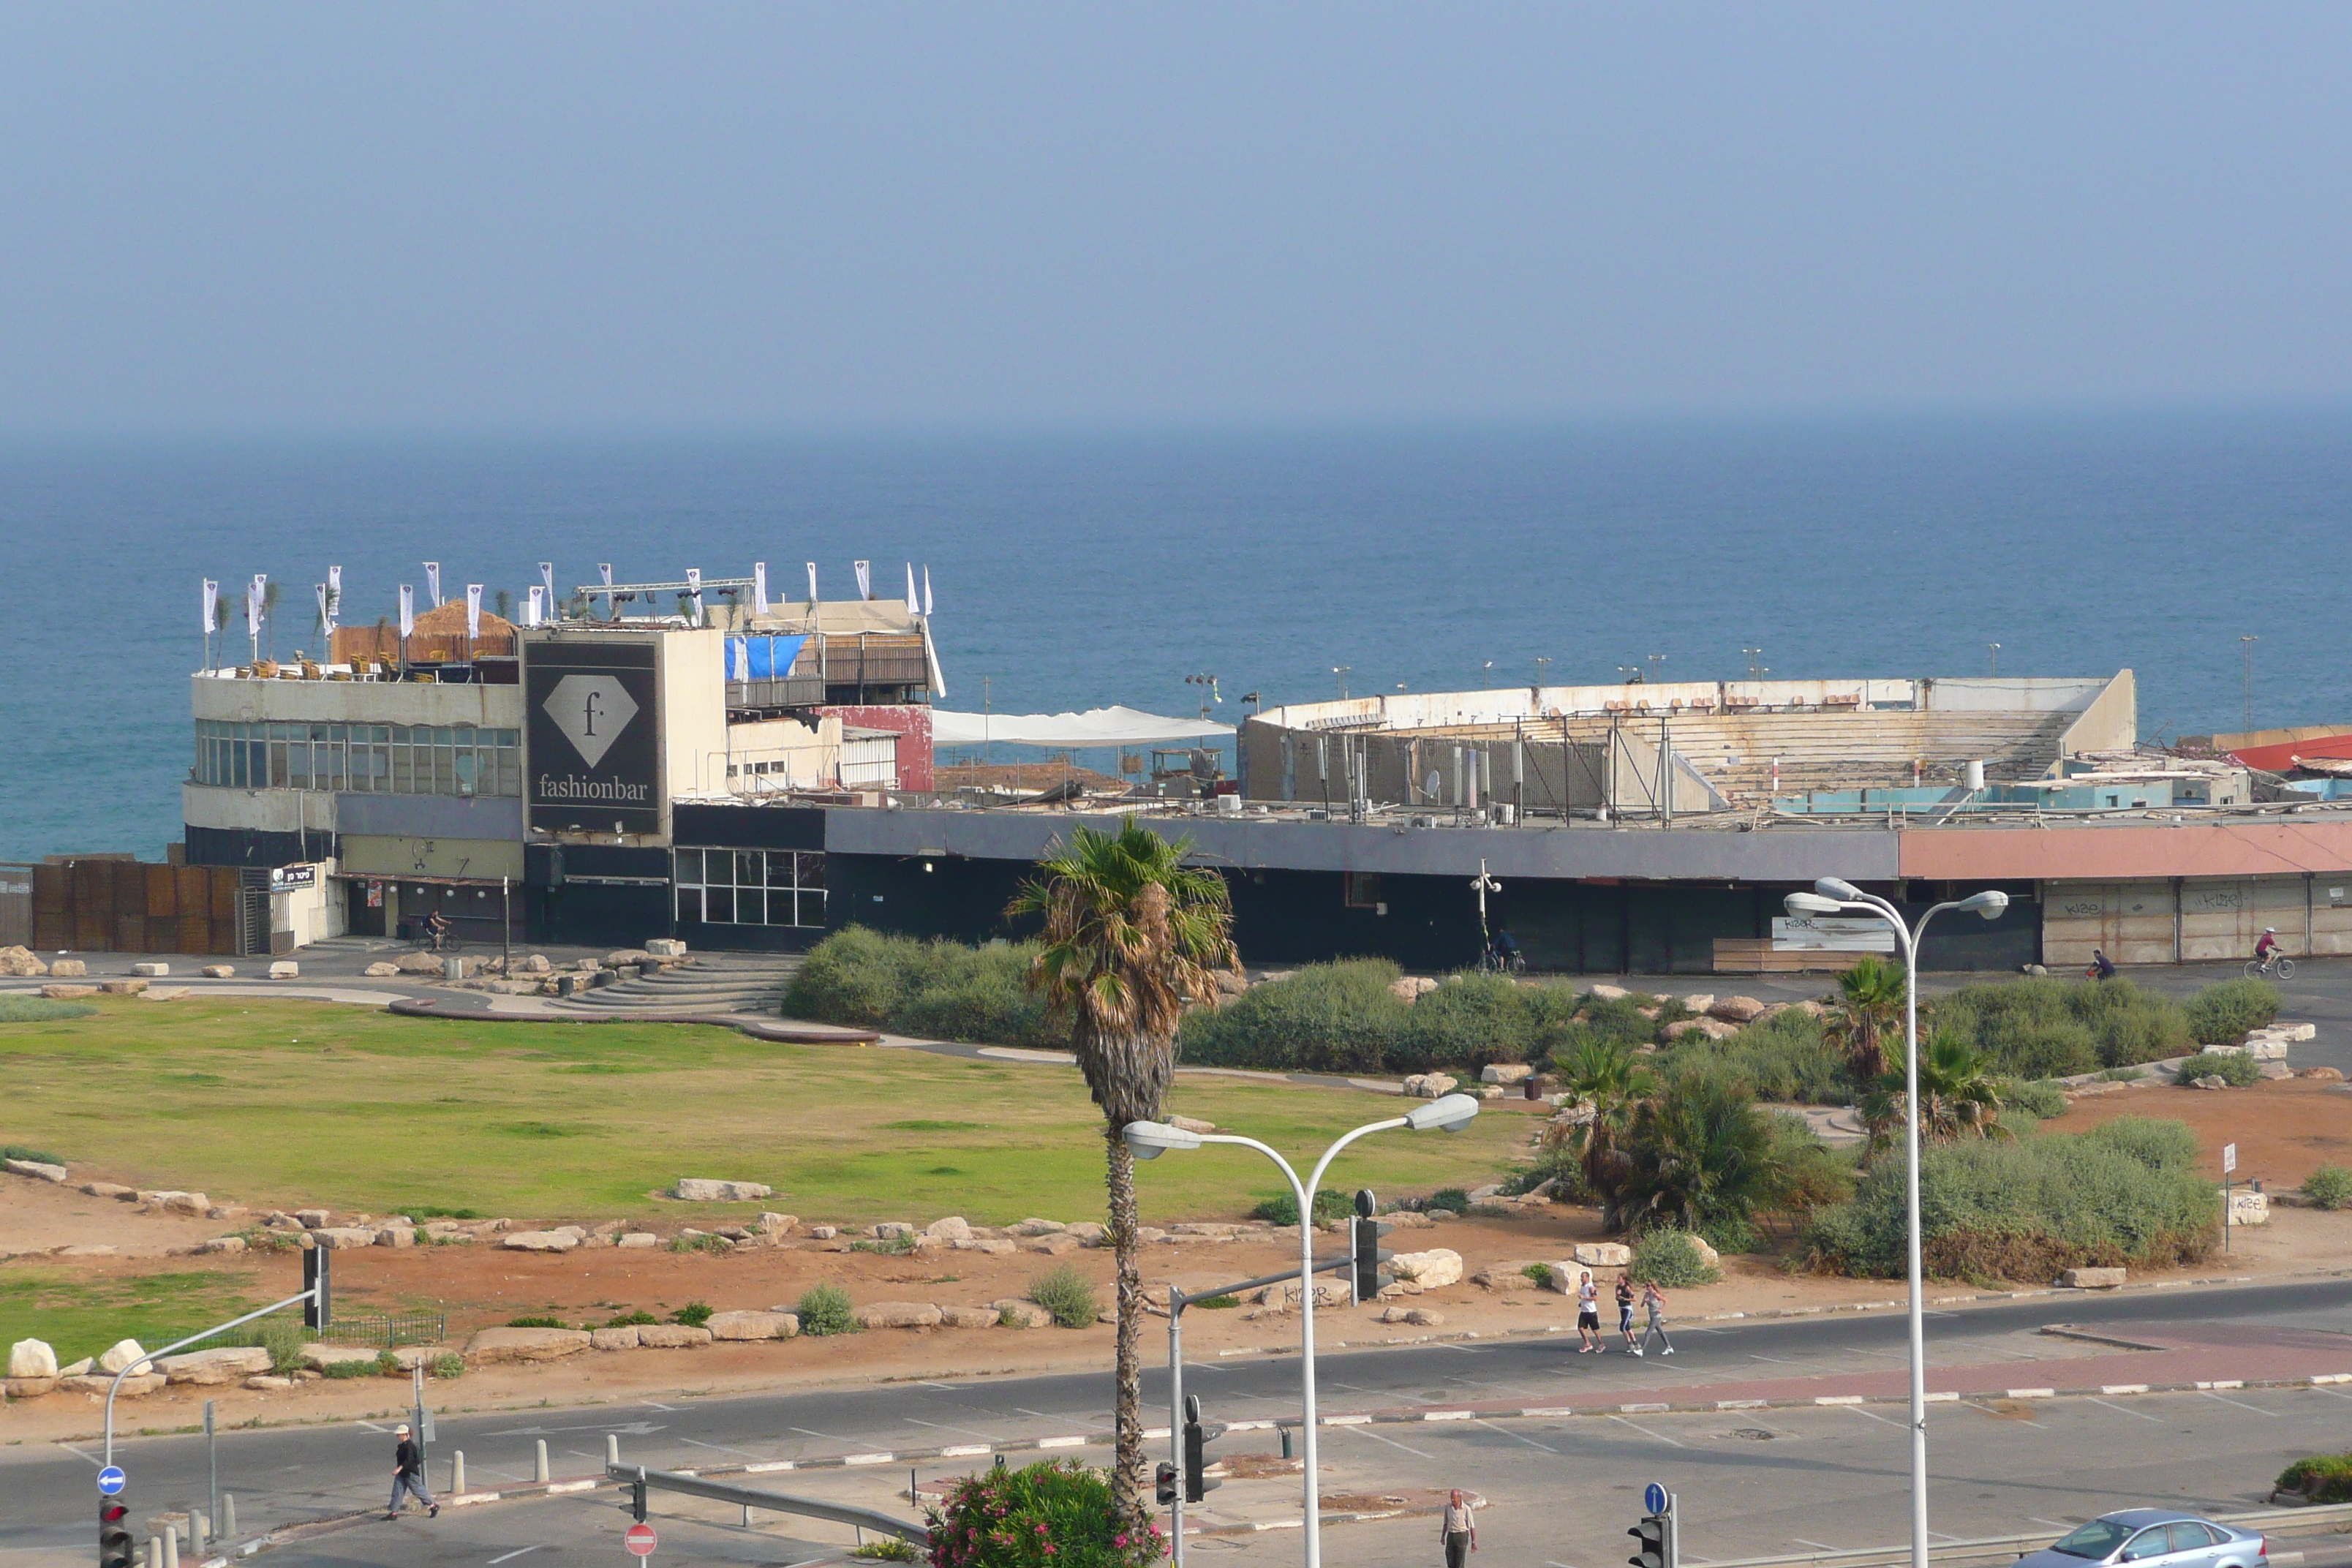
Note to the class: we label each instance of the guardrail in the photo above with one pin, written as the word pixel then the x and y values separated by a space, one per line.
pixel 777 1503
pixel 2269 1520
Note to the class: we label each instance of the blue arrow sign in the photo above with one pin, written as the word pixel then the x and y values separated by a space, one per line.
pixel 111 1479
pixel 1654 1498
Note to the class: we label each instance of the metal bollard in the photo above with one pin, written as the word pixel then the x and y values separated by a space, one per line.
pixel 171 1546
pixel 228 1517
pixel 457 1470
pixel 539 1468
pixel 612 1447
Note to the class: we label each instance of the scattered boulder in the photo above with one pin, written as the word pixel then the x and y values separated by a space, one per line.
pixel 395 1235
pixel 1506 1073
pixel 665 947
pixel 536 963
pixel 539 1241
pixel 1055 1244
pixel 699 1190
pixel 108 1190
pixel 776 1224
pixel 120 1354
pixel 151 971
pixel 213 1368
pixel 285 969
pixel 1018 1314
pixel 2211 1080
pixel 671 1337
pixel 620 1339
pixel 2092 1279
pixel 163 992
pixel 32 1358
pixel 267 1383
pixel 993 1244
pixel 1036 1226
pixel 1429 1270
pixel 88 1249
pixel 1609 993
pixel 339 1238
pixel 1706 1250
pixel 221 1244
pixel 21 963
pixel 2320 1075
pixel 1283 1296
pixel 1412 988
pixel 493 1346
pixel 319 1357
pixel 1431 1084
pixel 753 1325
pixel 637 1240
pixel 1420 1317
pixel 79 1369
pixel 29 1387
pixel 314 1219
pixel 2250 1208
pixel 951 1229
pixel 424 963
pixel 1089 1233
pixel 1736 1009
pixel 898 1315
pixel 134 1387
pixel 65 968
pixel 967 1317
pixel 1705 1028
pixel 68 993
pixel 193 1205
pixel 1699 1001
pixel 380 970
pixel 229 971
pixel 1602 1255
pixel 39 1170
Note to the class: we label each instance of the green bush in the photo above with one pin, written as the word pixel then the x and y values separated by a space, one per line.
pixel 637 1319
pixel 19 1009
pixel 2221 1014
pixel 886 1549
pixel 1666 1258
pixel 18 1151
pixel 2323 1478
pixel 693 1315
pixel 945 989
pixel 1218 1303
pixel 344 1369
pixel 1054 1514
pixel 540 1322
pixel 703 1241
pixel 827 1309
pixel 1330 1203
pixel 283 1338
pixel 1453 1200
pixel 1328 1017
pixel 1539 1275
pixel 1066 1295
pixel 1698 1157
pixel 2235 1068
pixel 1467 1022
pixel 2125 1193
pixel 2057 1028
pixel 1804 1175
pixel 1783 1057
pixel 2040 1101
pixel 2328 1187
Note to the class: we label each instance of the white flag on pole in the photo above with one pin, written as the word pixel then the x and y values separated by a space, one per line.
pixel 256 594
pixel 325 619
pixel 334 593
pixel 913 607
pixel 759 587
pixel 694 591
pixel 865 570
pixel 408 608
pixel 927 592
pixel 473 610
pixel 211 606
pixel 546 580
pixel 536 610
pixel 433 583
pixel 811 571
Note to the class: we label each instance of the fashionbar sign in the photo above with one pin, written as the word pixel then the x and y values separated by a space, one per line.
pixel 592 736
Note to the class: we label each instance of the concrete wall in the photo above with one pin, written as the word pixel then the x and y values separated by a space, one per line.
pixel 2109 723
pixel 693 677
pixel 260 810
pixel 2126 854
pixel 355 702
pixel 2194 919
pixel 300 916
pixel 431 816
pixel 389 855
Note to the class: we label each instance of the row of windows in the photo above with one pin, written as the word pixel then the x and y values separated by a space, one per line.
pixel 384 759
pixel 751 887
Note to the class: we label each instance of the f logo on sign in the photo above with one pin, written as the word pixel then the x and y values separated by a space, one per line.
pixel 591 711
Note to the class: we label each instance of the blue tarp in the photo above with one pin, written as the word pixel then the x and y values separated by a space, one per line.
pixel 761 658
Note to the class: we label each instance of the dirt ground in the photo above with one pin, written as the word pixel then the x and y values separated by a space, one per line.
pixel 2283 1129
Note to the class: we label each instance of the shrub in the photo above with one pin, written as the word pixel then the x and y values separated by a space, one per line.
pixel 693 1315
pixel 1469 1021
pixel 1806 1174
pixel 701 1241
pixel 1538 1274
pixel 1453 1200
pixel 1066 1295
pixel 540 1322
pixel 2235 1068
pixel 18 1151
pixel 445 1367
pixel 2040 1101
pixel 858 976
pixel 1698 1155
pixel 2323 1478
pixel 637 1318
pixel 343 1369
pixel 2056 1028
pixel 1054 1514
pixel 283 1338
pixel 827 1309
pixel 15 1009
pixel 2127 1193
pixel 1218 1303
pixel 386 1364
pixel 2328 1187
pixel 1667 1259
pixel 1328 1017
pixel 886 1549
pixel 1282 1208
pixel 2221 1014
pixel 1784 1058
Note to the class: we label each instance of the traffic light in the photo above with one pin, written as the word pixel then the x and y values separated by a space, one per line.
pixel 1651 1534
pixel 1164 1479
pixel 116 1549
pixel 637 1496
pixel 1365 1254
pixel 1198 1482
pixel 316 1277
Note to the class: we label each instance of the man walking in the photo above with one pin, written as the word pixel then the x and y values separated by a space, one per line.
pixel 1457 1530
pixel 1588 1315
pixel 408 1473
pixel 1653 1303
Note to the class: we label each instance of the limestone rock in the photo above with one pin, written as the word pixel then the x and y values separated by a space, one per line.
pixel 1429 1085
pixel 68 993
pixel 1602 1255
pixel 2092 1279
pixel 952 1228
pixel 194 1205
pixel 426 963
pixel 665 947
pixel 395 1235
pixel 319 1357
pixel 637 1240
pixel 221 1244
pixel 890 1230
pixel 620 1339
pixel 776 1224
pixel 340 1237
pixel 2212 1081
pixel 539 1241
pixel 1705 1028
pixel 1054 1245
pixel 2320 1075
pixel 1420 1317
pixel 993 1244
pixel 65 968
pixel 213 1368
pixel 898 1315
pixel 30 1387
pixel 1036 1226
pixel 151 971
pixel 535 964
pixel 968 1317
pixel 120 1354
pixel 108 1190
pixel 285 969
pixel 1089 1233
pixel 39 1170
pixel 1412 988
pixel 753 1325
pixel 1706 1252
pixel 1506 1073
pixel 1283 1296
pixel 1736 1009
pixel 1609 994
pixel 671 1337
pixel 134 1388
pixel 32 1358
pixel 163 993
pixel 1018 1314
pixel 491 1346
pixel 1438 1267
pixel 229 971
pixel 21 963
pixel 79 1369
pixel 1699 1001
pixel 88 1249
pixel 314 1219
pixel 699 1190
pixel 267 1383
pixel 2250 1208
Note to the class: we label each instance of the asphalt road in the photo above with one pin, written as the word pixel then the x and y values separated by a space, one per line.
pixel 281 1475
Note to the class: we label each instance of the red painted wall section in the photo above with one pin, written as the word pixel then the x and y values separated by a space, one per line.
pixel 2222 849
pixel 913 725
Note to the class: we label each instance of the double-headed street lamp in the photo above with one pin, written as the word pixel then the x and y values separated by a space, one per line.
pixel 1832 896
pixel 1150 1140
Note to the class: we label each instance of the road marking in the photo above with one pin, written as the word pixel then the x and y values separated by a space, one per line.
pixel 1873 1415
pixel 2053 1523
pixel 1646 1432
pixel 1506 1432
pixel 949 1387
pixel 1890 1355
pixel 1375 1437
pixel 1997 1415
pixel 1822 1545
pixel 723 1449
pixel 1464 1350
pixel 387 1431
pixel 69 1449
pixel 2120 1410
pixel 950 1426
pixel 665 1409
pixel 1777 1361
pixel 2240 1403
pixel 829 1436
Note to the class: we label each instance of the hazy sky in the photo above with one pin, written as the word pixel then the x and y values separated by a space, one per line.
pixel 237 216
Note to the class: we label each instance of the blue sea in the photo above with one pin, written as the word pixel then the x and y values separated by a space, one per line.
pixel 1077 570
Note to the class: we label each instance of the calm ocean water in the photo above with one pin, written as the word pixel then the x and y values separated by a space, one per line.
pixel 1081 570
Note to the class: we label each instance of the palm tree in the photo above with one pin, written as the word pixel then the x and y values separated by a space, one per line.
pixel 1699 1152
pixel 1869 1009
pixel 1959 1096
pixel 1607 1075
pixel 1132 936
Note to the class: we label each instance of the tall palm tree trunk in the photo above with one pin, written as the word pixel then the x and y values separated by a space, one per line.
pixel 1126 1466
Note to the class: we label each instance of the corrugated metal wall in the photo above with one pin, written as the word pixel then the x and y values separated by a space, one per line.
pixel 126 906
pixel 2194 919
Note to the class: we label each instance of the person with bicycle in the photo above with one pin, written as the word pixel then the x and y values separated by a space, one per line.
pixel 1503 952
pixel 438 926
pixel 2102 966
pixel 2267 946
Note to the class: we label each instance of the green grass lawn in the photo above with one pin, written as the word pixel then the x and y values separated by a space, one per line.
pixel 279 1103
pixel 78 1317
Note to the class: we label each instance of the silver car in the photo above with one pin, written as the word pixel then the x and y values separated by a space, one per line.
pixel 2156 1537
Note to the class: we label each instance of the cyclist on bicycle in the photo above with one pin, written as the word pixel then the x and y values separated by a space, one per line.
pixel 2102 966
pixel 2265 945
pixel 437 928
pixel 1505 951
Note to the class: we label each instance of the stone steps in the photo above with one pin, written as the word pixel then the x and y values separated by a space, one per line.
pixel 737 983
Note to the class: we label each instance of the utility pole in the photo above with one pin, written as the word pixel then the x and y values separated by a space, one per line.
pixel 1755 655
pixel 2247 643
pixel 1340 673
pixel 1994 649
pixel 1540 662
pixel 1487 675
pixel 1655 660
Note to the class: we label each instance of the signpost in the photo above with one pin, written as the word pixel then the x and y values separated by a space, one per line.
pixel 2228 1164
pixel 640 1539
pixel 111 1480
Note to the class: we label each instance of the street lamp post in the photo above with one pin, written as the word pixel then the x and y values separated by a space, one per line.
pixel 1833 896
pixel 1150 1140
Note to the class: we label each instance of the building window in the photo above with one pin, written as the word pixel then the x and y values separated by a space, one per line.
pixel 367 759
pixel 1359 890
pixel 751 887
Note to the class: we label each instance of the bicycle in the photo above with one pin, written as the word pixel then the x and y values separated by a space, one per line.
pixel 2277 966
pixel 1493 963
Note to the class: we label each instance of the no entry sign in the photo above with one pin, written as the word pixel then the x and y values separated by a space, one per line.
pixel 640 1539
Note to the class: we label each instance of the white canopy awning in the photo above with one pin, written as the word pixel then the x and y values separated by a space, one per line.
pixel 1095 727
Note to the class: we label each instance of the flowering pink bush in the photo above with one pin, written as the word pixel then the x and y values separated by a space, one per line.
pixel 1054 1515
